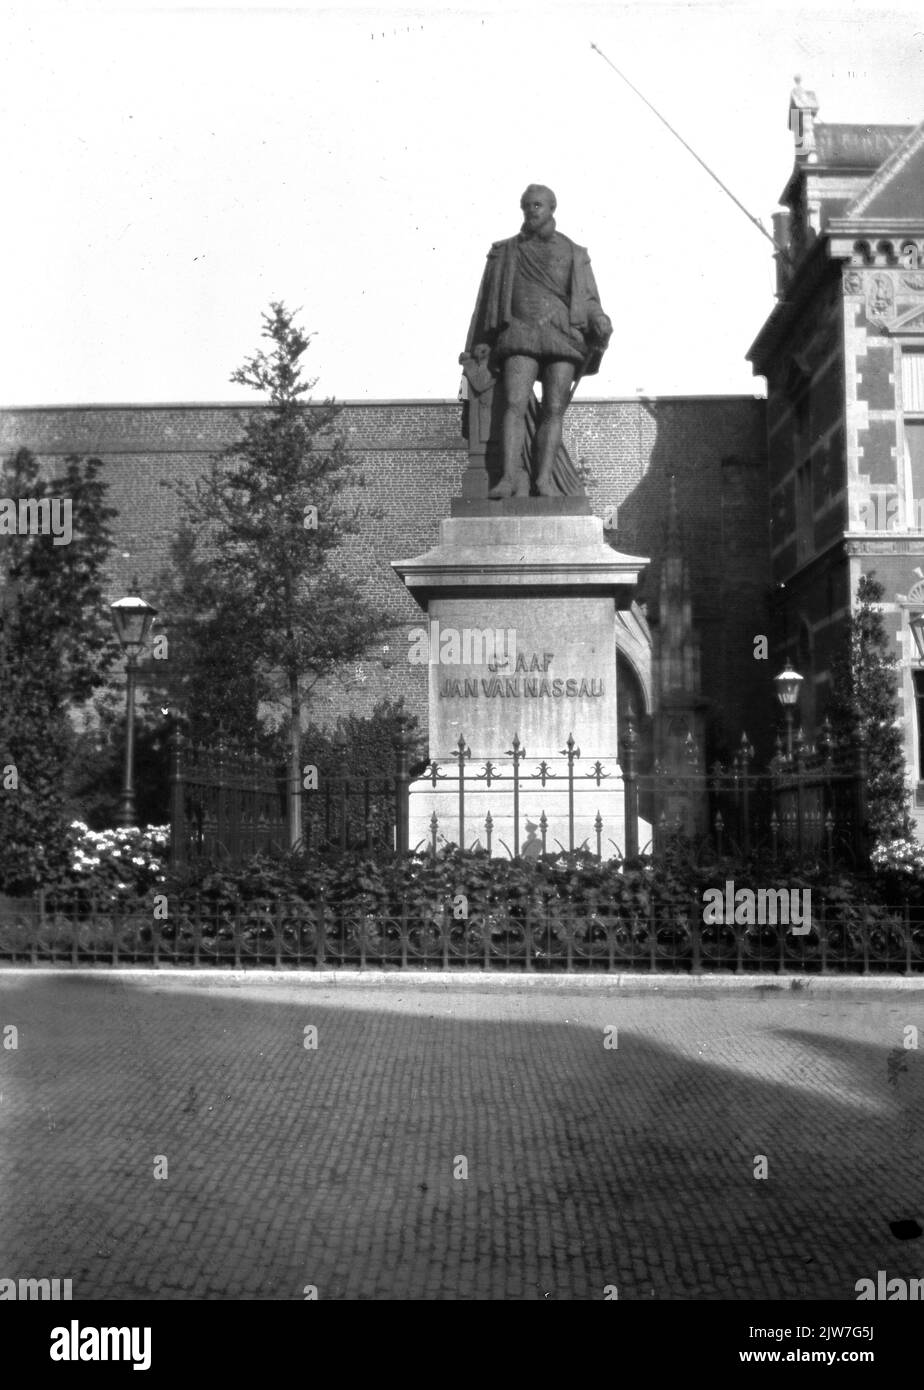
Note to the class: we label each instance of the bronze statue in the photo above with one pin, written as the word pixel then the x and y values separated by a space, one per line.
pixel 538 317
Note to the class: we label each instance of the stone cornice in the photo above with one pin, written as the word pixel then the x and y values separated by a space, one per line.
pixel 547 554
pixel 872 545
pixel 874 226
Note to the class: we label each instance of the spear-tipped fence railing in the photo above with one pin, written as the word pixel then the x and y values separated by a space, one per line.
pixel 225 802
pixel 804 804
pixel 228 804
pixel 510 786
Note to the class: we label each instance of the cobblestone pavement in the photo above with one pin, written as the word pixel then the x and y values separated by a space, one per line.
pixel 340 1166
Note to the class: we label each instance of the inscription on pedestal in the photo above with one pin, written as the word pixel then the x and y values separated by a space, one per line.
pixel 530 687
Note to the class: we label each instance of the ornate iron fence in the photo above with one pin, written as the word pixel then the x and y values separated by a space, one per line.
pixel 540 804
pixel 508 934
pixel 803 805
pixel 227 804
pixel 224 803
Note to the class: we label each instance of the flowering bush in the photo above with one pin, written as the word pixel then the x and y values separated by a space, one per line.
pixel 898 872
pixel 112 865
pixel 900 856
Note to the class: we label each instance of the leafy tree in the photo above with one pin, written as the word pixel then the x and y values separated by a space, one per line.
pixel 257 610
pixel 94 783
pixel 56 649
pixel 360 746
pixel 864 705
pixel 208 625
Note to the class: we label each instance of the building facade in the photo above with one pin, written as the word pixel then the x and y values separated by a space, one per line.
pixel 843 355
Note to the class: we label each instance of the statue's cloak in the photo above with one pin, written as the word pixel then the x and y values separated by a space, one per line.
pixel 493 308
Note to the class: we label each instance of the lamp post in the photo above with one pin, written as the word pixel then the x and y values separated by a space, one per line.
pixel 788 684
pixel 131 618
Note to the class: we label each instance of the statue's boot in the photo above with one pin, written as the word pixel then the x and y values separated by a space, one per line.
pixel 544 485
pixel 504 488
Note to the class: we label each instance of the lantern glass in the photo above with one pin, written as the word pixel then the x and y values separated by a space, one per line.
pixel 132 619
pixel 788 684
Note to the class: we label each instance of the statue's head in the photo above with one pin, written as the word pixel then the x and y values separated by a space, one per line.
pixel 538 204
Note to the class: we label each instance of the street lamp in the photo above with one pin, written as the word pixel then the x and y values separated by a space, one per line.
pixel 131 618
pixel 788 684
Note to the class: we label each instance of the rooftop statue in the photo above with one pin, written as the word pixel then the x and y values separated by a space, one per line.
pixel 538 318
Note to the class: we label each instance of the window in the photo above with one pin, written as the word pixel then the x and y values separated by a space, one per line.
pixel 913 380
pixel 800 412
pixel 913 430
pixel 919 713
pixel 805 523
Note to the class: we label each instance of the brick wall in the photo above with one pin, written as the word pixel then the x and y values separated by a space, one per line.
pixel 413 456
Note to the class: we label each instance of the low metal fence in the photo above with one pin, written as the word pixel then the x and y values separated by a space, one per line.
pixel 510 934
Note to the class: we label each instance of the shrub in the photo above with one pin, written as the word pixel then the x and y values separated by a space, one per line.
pixel 555 888
pixel 112 866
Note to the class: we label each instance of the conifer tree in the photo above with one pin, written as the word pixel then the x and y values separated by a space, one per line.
pixel 56 650
pixel 259 609
pixel 864 705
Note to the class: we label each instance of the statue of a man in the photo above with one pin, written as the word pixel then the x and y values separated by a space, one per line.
pixel 539 313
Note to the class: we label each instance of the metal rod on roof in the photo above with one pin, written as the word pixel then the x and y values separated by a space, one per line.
pixel 751 218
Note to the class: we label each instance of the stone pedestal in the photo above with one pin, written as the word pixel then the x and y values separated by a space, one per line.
pixel 520 599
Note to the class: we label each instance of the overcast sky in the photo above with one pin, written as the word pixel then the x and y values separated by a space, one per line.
pixel 170 170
